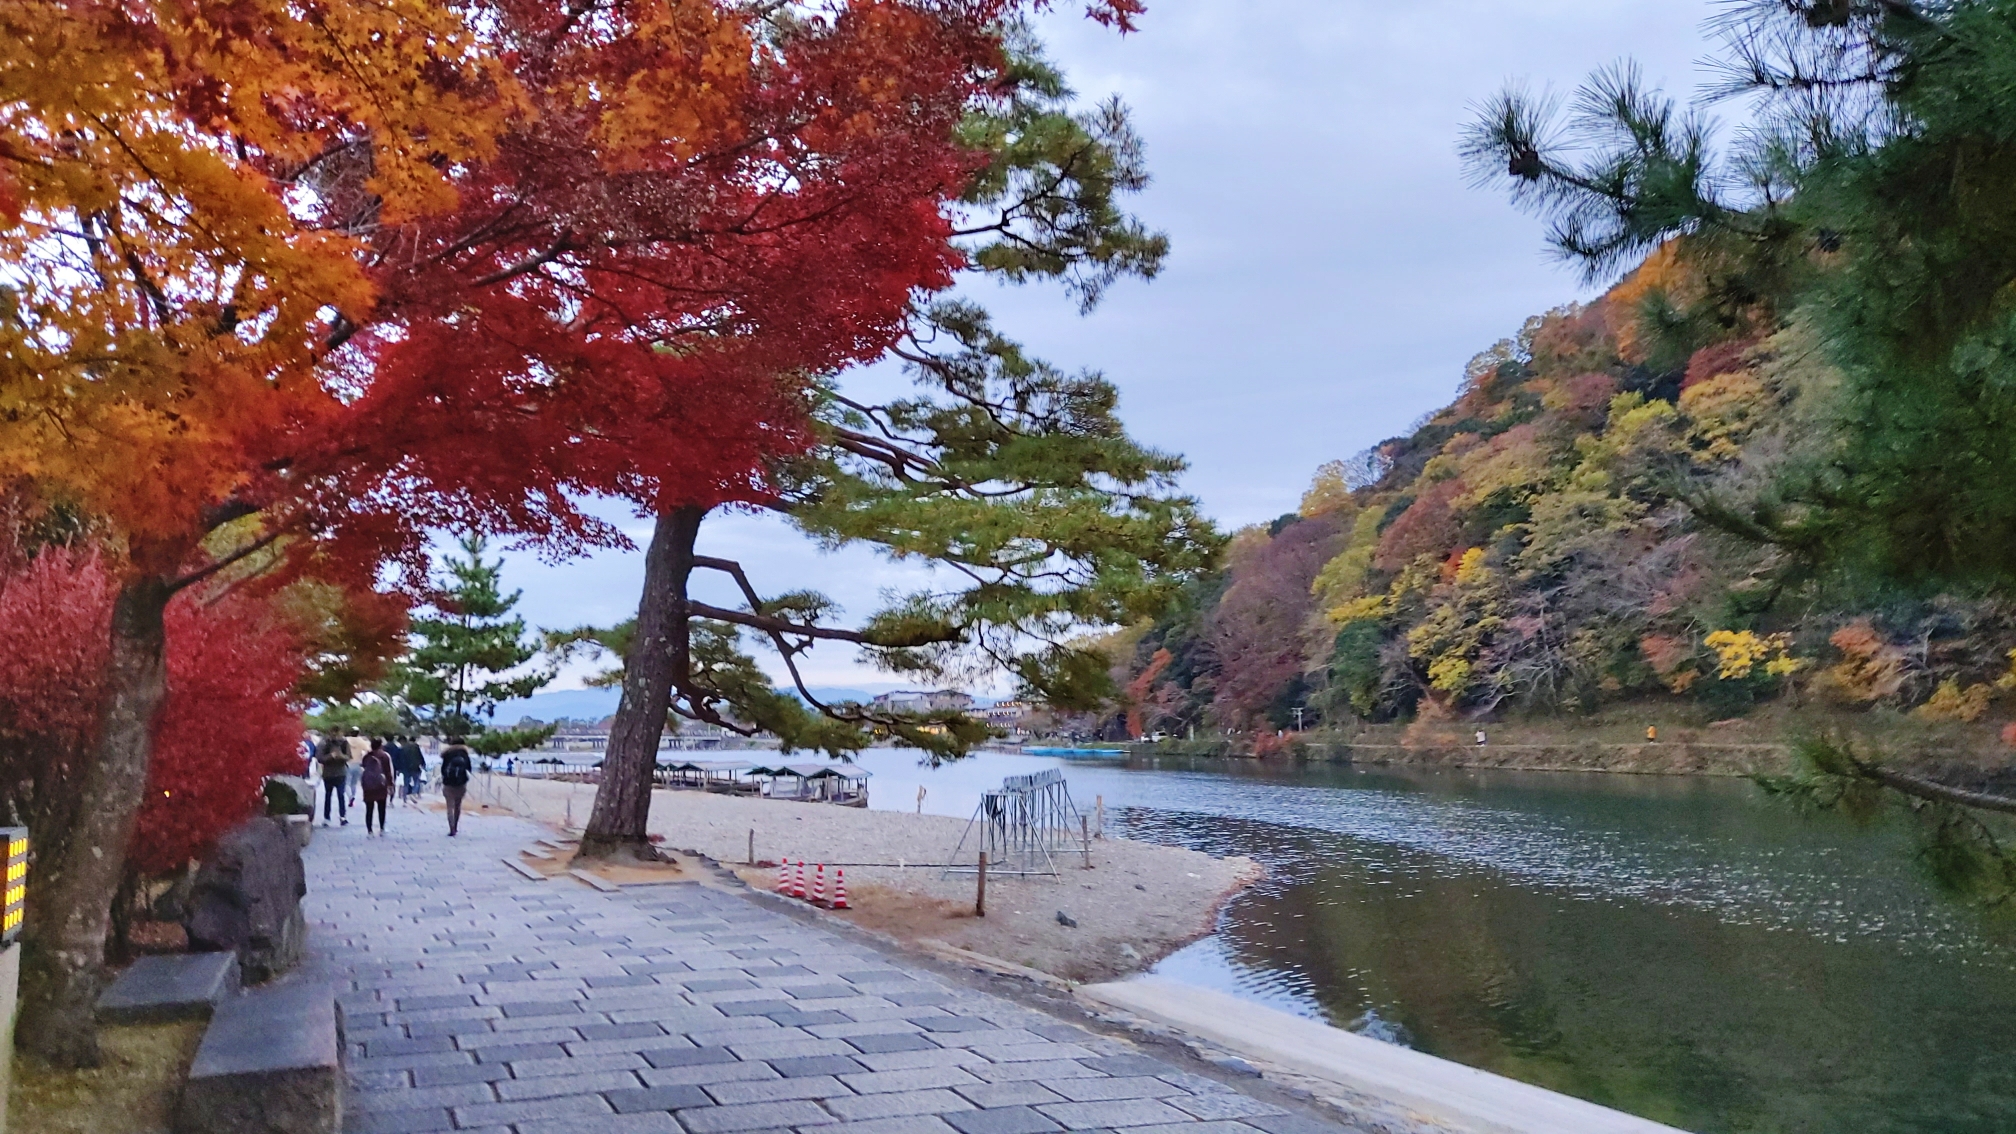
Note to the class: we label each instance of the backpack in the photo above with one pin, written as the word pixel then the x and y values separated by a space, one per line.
pixel 375 779
pixel 455 766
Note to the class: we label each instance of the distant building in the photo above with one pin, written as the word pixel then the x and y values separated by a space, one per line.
pixel 924 701
pixel 1009 716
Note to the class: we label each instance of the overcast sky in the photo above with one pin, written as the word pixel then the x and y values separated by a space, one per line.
pixel 1331 271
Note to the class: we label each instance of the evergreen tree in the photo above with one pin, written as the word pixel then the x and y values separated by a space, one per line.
pixel 451 681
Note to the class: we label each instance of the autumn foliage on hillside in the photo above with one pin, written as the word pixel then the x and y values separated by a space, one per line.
pixel 1574 530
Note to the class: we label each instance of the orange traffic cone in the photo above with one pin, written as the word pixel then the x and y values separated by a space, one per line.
pixel 819 886
pixel 784 877
pixel 798 881
pixel 840 888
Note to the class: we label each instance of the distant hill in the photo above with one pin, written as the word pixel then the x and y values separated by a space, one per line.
pixel 1534 548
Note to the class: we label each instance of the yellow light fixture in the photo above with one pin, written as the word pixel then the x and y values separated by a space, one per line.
pixel 16 900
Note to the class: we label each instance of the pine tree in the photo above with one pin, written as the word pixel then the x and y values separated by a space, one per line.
pixel 458 670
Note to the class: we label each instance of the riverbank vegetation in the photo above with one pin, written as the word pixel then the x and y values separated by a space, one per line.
pixel 1769 465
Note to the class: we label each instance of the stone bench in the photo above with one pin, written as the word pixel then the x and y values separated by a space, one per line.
pixel 270 1063
pixel 161 990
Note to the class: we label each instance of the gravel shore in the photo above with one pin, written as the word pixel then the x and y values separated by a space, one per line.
pixel 1137 904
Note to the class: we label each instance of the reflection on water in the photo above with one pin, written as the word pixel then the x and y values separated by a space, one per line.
pixel 1680 948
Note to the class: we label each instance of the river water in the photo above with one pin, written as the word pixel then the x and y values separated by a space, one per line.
pixel 1682 948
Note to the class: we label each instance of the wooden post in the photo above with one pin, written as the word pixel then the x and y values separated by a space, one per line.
pixel 752 846
pixel 1099 802
pixel 980 893
pixel 1085 829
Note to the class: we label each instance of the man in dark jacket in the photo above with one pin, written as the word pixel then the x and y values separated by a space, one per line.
pixel 411 766
pixel 455 771
pixel 334 758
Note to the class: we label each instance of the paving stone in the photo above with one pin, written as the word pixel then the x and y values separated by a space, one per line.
pixel 910 1124
pixel 460 1073
pixel 1122 1112
pixel 755 1116
pixel 1194 1128
pixel 918 1079
pixel 658 1098
pixel 620 1031
pixel 767 1048
pixel 1128 1065
pixel 956 1024
pixel 1129 1087
pixel 453 1094
pixel 376 1048
pixel 1298 1124
pixel 716 984
pixel 907 1060
pixel 895 1104
pixel 792 1067
pixel 576 1064
pixel 1009 1094
pixel 541 1008
pixel 1001 1120
pixel 796 1018
pixel 809 1087
pixel 711 1073
pixel 891 1041
pixel 509 1052
pixel 568 1106
pixel 418 1120
pixel 659 1123
pixel 1042 1071
pixel 762 1007
pixel 1225 1105
pixel 553 1086
pixel 820 991
pixel 688 1056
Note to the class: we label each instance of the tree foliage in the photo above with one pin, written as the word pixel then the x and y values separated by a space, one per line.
pixel 468 655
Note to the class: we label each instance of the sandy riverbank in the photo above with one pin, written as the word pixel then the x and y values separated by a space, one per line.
pixel 1137 904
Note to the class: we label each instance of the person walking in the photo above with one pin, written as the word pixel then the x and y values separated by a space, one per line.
pixel 414 766
pixel 376 778
pixel 455 769
pixel 358 747
pixel 334 757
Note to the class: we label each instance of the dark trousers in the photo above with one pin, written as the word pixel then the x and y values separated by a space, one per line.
pixel 376 803
pixel 412 785
pixel 333 789
pixel 453 794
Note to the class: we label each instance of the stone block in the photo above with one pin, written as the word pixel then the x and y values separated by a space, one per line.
pixel 163 989
pixel 270 1063
pixel 247 899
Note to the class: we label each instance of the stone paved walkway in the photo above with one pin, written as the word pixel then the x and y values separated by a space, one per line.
pixel 478 999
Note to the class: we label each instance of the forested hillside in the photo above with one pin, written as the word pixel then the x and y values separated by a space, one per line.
pixel 1601 515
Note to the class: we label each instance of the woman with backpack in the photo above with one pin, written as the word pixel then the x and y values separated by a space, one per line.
pixel 376 781
pixel 455 769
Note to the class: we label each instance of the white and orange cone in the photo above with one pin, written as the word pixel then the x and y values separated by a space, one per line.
pixel 798 881
pixel 784 877
pixel 840 888
pixel 819 886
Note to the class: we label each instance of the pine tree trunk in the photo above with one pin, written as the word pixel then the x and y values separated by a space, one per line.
pixel 78 875
pixel 659 655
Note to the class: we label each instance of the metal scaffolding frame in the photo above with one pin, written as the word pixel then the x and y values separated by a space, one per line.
pixel 1024 824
